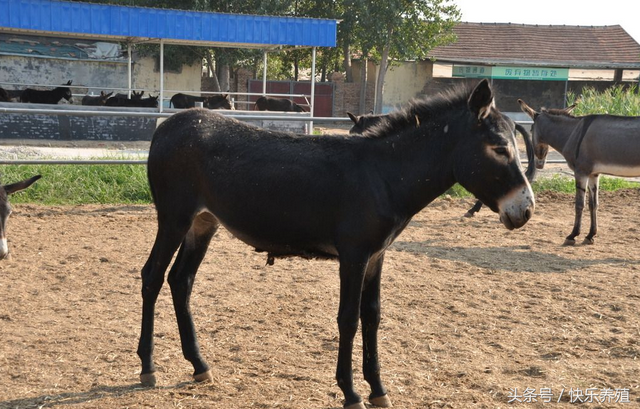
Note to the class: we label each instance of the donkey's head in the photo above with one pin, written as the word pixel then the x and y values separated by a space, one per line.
pixel 218 102
pixel 66 91
pixel 541 147
pixel 363 122
pixel 5 209
pixel 137 96
pixel 487 161
pixel 104 97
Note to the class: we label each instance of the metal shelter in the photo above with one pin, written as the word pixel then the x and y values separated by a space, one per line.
pixel 165 26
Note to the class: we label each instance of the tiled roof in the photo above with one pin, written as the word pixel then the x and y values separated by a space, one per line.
pixel 522 44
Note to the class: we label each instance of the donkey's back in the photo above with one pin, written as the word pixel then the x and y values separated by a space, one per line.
pixel 605 144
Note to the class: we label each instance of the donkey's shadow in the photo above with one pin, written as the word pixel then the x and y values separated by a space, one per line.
pixel 74 398
pixel 94 394
pixel 514 258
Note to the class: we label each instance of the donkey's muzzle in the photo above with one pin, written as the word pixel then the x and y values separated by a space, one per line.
pixel 517 207
pixel 4 248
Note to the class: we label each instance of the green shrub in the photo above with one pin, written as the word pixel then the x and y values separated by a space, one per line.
pixel 616 100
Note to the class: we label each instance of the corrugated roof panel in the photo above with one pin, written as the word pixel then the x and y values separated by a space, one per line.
pixel 264 30
pixel 119 21
pixel 233 30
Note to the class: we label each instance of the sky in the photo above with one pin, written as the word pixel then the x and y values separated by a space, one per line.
pixel 625 13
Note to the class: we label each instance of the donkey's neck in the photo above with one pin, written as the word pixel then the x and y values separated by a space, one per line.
pixel 417 166
pixel 556 130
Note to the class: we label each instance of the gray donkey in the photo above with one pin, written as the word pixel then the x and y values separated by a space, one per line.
pixel 592 145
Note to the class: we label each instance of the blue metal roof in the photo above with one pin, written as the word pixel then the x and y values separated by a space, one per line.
pixel 175 26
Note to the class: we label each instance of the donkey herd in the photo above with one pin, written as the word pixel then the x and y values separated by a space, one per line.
pixel 136 99
pixel 347 197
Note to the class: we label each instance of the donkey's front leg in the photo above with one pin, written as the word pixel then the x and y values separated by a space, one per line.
pixel 352 271
pixel 581 189
pixel 370 317
pixel 593 208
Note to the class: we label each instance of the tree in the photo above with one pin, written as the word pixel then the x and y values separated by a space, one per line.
pixel 401 30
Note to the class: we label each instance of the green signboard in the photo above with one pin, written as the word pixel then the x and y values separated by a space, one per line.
pixel 511 73
pixel 530 73
pixel 472 71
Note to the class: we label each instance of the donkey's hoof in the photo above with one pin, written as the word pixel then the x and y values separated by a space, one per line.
pixel 148 379
pixel 203 377
pixel 587 240
pixel 569 242
pixel 358 405
pixel 381 401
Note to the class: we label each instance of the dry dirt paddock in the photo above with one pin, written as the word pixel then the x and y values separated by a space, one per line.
pixel 471 312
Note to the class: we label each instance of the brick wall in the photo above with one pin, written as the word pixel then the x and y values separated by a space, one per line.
pixel 346 97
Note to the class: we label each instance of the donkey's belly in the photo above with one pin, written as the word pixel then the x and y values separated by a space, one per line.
pixel 277 245
pixel 616 169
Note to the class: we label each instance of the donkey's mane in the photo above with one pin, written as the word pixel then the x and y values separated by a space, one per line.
pixel 557 112
pixel 421 110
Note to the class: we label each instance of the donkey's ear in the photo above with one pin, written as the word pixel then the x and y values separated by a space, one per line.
pixel 527 109
pixel 18 186
pixel 481 100
pixel 353 117
pixel 69 82
pixel 570 108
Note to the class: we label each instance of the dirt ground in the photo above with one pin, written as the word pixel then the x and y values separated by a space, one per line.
pixel 471 312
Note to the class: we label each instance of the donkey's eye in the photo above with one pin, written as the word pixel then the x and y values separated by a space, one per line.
pixel 501 150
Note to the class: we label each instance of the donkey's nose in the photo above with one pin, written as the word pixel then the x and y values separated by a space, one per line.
pixel 528 213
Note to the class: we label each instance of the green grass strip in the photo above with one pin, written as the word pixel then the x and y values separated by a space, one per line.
pixel 127 184
pixel 80 184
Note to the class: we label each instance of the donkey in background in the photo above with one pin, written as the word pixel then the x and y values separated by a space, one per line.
pixel 277 104
pixel 99 100
pixel 4 95
pixel 47 97
pixel 5 209
pixel 592 145
pixel 181 100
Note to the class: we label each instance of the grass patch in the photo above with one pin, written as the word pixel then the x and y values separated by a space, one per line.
pixel 80 184
pixel 560 184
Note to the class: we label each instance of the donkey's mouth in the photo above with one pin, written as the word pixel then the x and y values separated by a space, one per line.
pixel 506 220
pixel 515 221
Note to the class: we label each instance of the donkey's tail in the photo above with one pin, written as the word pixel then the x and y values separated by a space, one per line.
pixel 530 173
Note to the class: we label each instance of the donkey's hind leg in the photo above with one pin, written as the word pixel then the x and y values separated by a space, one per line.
pixel 370 318
pixel 167 241
pixel 593 208
pixel 475 209
pixel 581 189
pixel 181 278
